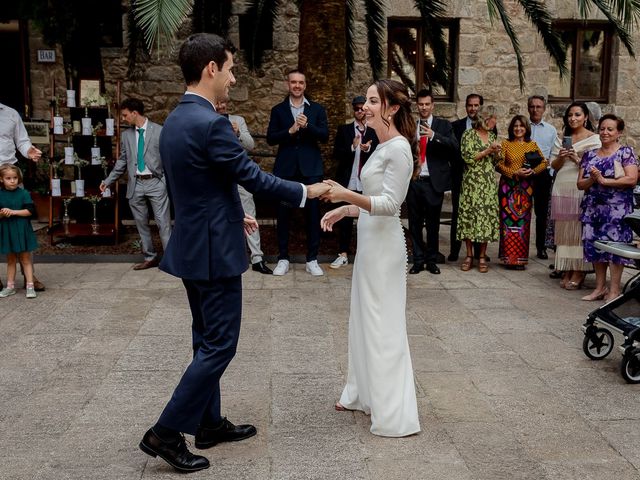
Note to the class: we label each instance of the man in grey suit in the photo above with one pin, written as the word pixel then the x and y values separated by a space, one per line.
pixel 241 130
pixel 140 156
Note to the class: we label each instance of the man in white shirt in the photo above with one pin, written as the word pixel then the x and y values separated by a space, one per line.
pixel 544 134
pixel 14 137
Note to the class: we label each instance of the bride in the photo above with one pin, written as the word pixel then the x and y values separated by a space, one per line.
pixel 380 377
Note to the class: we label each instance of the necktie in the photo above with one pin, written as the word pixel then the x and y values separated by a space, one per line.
pixel 423 149
pixel 141 149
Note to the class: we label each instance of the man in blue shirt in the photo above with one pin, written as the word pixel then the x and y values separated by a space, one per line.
pixel 544 134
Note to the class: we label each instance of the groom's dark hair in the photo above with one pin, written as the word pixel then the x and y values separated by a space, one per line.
pixel 200 49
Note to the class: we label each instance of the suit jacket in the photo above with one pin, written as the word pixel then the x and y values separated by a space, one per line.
pixel 128 159
pixel 441 149
pixel 244 137
pixel 299 152
pixel 343 154
pixel 204 162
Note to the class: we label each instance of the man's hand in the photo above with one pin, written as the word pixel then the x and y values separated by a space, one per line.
pixel 301 121
pixel 102 187
pixel 250 224
pixel 356 141
pixel 294 128
pixel 236 129
pixel 336 192
pixel 34 154
pixel 317 189
pixel 365 147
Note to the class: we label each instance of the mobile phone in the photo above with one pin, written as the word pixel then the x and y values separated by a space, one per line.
pixel 566 143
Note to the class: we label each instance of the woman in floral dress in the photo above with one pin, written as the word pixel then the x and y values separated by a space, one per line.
pixel 608 198
pixel 478 211
pixel 515 191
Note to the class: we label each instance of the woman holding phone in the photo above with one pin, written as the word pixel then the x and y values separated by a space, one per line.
pixel 579 137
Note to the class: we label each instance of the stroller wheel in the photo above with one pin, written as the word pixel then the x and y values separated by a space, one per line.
pixel 630 366
pixel 598 344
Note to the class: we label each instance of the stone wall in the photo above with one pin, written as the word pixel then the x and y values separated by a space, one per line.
pixel 485 64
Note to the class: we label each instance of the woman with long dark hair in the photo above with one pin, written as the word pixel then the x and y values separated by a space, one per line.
pixel 566 197
pixel 380 376
pixel 521 158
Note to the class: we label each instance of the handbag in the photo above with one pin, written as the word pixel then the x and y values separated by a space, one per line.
pixel 618 169
pixel 532 159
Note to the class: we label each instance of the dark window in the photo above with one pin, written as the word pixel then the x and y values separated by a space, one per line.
pixel 247 25
pixel 110 23
pixel 411 60
pixel 589 52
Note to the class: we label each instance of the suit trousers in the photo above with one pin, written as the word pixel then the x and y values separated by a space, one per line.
pixel 253 240
pixel 312 216
pixel 155 191
pixel 216 308
pixel 424 205
pixel 541 197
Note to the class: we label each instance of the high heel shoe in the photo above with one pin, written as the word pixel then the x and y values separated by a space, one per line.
pixel 341 408
pixel 593 296
pixel 574 285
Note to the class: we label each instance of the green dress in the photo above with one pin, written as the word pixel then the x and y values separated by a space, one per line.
pixel 16 234
pixel 478 213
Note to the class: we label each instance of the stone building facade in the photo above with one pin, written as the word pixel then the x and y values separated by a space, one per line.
pixel 484 62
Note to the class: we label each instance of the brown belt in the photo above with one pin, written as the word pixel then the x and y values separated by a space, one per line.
pixel 144 177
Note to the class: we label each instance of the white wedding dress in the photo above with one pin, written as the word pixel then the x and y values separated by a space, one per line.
pixel 380 377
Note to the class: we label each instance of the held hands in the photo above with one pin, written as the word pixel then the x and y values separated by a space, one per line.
pixel 336 192
pixel 524 172
pixel 596 175
pixel 34 154
pixel 6 212
pixel 494 148
pixel 317 190
pixel 333 216
pixel 250 224
pixel 301 122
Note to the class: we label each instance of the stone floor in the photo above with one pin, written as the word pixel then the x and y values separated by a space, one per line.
pixel 504 389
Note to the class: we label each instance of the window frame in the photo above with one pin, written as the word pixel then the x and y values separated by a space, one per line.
pixel 453 25
pixel 578 28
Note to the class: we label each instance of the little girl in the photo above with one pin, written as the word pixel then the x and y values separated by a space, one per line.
pixel 17 239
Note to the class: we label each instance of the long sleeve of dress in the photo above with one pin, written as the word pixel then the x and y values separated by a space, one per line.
pixel 395 183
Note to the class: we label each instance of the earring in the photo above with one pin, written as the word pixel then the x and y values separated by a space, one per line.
pixel 389 118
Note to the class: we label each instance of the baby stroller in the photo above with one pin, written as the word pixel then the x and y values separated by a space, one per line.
pixel 621 314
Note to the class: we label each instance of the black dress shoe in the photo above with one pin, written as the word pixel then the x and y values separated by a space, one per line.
pixel 154 262
pixel 433 268
pixel 440 258
pixel 542 255
pixel 174 453
pixel 207 437
pixel 417 268
pixel 261 267
pixel 453 257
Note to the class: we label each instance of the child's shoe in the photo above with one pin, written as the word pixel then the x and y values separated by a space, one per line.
pixel 31 292
pixel 6 292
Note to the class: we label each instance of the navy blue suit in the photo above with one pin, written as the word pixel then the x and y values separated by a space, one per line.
pixel 204 163
pixel 299 159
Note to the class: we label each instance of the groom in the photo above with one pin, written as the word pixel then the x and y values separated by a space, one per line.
pixel 204 163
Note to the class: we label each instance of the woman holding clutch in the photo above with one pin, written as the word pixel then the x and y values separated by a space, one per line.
pixel 521 159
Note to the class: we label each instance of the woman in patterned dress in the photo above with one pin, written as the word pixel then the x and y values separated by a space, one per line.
pixel 566 198
pixel 478 211
pixel 607 200
pixel 514 192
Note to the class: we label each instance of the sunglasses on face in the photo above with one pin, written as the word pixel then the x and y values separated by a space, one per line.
pixel 358 109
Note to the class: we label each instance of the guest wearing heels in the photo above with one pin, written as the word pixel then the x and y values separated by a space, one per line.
pixel 607 176
pixel 566 197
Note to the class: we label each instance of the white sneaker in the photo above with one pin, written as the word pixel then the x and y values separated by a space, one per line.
pixel 314 269
pixel 7 292
pixel 341 261
pixel 31 292
pixel 281 268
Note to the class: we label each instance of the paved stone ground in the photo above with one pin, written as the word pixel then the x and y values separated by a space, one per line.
pixel 504 389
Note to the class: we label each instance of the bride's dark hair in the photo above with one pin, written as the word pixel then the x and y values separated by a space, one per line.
pixel 395 93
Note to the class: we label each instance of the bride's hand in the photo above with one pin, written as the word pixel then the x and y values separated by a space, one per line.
pixel 331 217
pixel 335 193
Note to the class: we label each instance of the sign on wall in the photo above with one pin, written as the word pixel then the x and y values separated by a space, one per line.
pixel 46 56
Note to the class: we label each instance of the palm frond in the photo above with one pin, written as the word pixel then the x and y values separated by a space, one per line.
pixel 432 13
pixel 543 21
pixel 622 17
pixel 262 14
pixel 160 20
pixel 376 22
pixel 350 33
pixel 497 10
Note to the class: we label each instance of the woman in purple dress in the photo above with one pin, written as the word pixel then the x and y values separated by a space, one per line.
pixel 607 175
